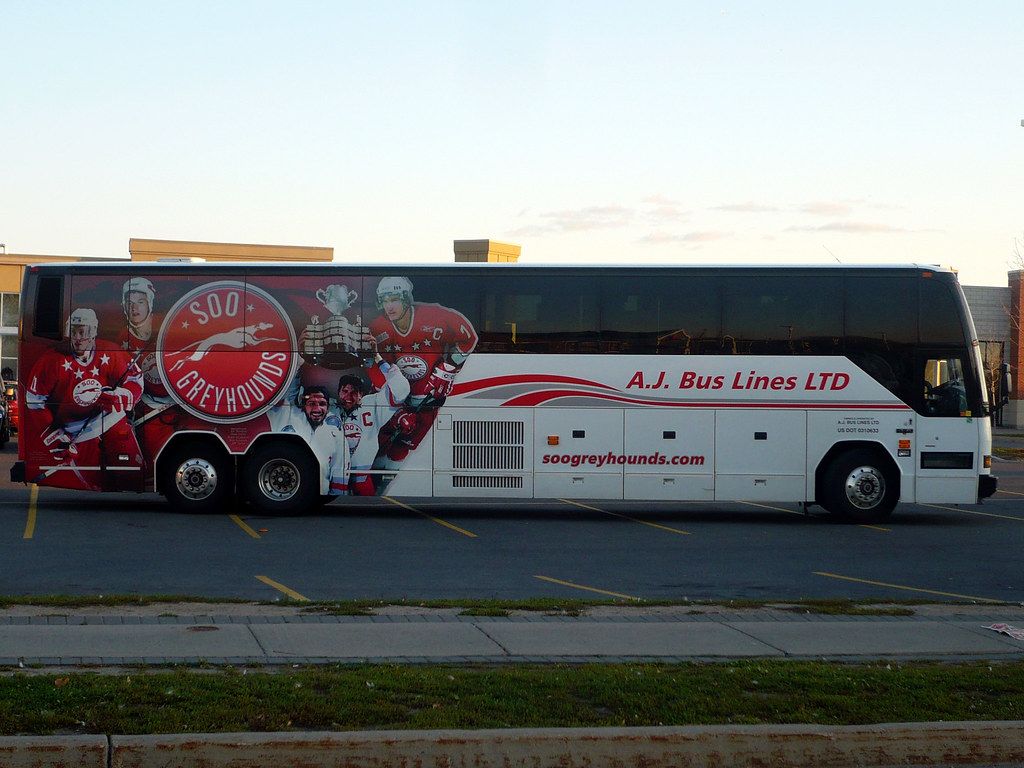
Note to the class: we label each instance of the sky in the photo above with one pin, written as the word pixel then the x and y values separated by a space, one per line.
pixel 588 132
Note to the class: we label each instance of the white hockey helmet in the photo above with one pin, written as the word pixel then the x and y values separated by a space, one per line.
pixel 394 286
pixel 83 316
pixel 138 285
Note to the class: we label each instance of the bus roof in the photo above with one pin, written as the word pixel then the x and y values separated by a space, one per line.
pixel 320 266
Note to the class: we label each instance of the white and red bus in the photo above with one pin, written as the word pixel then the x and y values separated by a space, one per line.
pixel 851 387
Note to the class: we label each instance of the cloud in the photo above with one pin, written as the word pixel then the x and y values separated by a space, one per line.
pixel 666 213
pixel 853 227
pixel 691 238
pixel 822 208
pixel 579 220
pixel 747 207
pixel 661 200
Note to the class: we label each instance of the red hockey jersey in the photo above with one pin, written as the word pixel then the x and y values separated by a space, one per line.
pixel 153 385
pixel 70 387
pixel 435 333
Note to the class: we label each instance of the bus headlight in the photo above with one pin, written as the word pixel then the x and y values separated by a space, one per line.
pixel 986 462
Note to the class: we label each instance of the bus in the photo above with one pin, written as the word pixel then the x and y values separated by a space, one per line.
pixel 287 386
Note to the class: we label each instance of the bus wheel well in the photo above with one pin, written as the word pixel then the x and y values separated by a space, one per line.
pixel 884 457
pixel 282 437
pixel 178 443
pixel 280 474
pixel 858 482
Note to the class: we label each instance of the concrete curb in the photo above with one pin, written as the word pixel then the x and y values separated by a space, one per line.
pixel 787 746
pixel 46 751
pixel 775 746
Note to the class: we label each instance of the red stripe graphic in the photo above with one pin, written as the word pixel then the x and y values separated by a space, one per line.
pixel 523 378
pixel 537 398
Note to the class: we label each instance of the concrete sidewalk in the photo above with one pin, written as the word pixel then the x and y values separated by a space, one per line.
pixel 258 635
pixel 940 632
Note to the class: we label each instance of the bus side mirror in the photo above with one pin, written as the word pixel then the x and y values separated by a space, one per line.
pixel 1005 383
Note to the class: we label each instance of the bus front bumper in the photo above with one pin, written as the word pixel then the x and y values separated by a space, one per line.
pixel 987 485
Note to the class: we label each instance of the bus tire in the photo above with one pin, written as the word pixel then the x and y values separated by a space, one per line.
pixel 859 487
pixel 196 478
pixel 281 477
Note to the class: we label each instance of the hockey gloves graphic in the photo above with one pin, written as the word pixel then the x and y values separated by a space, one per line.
pixel 59 443
pixel 117 399
pixel 441 380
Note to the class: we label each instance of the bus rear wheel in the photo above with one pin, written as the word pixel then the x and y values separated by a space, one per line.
pixel 196 479
pixel 280 477
pixel 859 487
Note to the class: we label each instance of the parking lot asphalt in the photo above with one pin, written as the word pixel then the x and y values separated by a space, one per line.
pixel 268 635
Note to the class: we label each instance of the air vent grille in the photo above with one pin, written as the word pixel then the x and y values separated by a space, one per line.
pixel 486 481
pixel 487 445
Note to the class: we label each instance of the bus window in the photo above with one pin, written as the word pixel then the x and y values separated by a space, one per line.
pixel 792 315
pixel 49 308
pixel 541 313
pixel 945 393
pixel 940 321
pixel 654 313
pixel 881 331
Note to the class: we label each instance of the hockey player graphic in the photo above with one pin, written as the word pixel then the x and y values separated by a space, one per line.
pixel 429 344
pixel 363 409
pixel 154 422
pixel 78 410
pixel 308 419
pixel 237 338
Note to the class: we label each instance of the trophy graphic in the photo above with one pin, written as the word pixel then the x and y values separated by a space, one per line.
pixel 335 342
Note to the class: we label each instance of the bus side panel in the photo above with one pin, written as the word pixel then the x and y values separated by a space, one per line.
pixel 584 460
pixel 670 454
pixel 947 464
pixel 760 454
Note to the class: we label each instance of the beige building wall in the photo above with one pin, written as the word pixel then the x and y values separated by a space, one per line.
pixel 151 250
pixel 12 268
pixel 486 251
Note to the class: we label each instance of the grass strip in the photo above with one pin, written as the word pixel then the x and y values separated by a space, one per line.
pixel 402 697
pixel 1013 454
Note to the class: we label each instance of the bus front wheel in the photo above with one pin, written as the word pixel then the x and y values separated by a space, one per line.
pixel 280 477
pixel 859 487
pixel 196 479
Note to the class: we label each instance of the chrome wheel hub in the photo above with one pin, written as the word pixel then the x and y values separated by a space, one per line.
pixel 279 479
pixel 196 479
pixel 865 487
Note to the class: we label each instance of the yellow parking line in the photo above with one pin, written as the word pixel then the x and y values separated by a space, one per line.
pixel 777 509
pixel 282 588
pixel 908 589
pixel 30 523
pixel 242 524
pixel 588 589
pixel 433 519
pixel 973 512
pixel 1014 493
pixel 790 511
pixel 627 517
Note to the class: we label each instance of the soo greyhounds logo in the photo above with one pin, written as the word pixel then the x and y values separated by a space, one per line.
pixel 225 351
